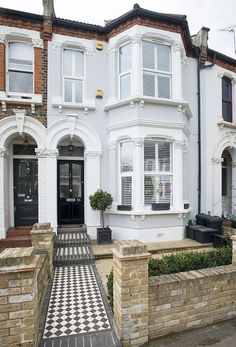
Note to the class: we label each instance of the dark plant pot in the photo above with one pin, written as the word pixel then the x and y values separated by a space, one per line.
pixel 104 236
pixel 186 206
pixel 124 207
pixel 161 206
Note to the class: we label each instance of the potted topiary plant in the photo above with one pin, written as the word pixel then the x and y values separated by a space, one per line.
pixel 101 201
pixel 233 221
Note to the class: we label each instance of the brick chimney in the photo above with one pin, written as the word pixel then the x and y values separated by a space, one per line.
pixel 201 40
pixel 48 8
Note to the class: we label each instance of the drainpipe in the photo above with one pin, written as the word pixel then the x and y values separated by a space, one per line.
pixel 199 131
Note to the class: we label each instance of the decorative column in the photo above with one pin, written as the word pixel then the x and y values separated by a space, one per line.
pixel 233 188
pixel 42 184
pixel 113 170
pixel 51 157
pixel 136 65
pixel 178 199
pixel 4 184
pixel 130 292
pixel 92 183
pixel 112 68
pixel 177 73
pixel 42 240
pixel 138 175
pixel 216 187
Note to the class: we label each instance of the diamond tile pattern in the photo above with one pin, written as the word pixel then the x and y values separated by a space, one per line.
pixel 76 305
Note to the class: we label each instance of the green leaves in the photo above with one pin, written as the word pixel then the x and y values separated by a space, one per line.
pixel 101 200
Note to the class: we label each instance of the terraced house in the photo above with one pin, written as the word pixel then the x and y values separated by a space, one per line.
pixel 137 107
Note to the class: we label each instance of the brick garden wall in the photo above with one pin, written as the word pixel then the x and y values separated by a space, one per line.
pixel 191 299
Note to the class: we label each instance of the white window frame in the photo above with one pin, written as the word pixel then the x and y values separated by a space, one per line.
pixel 128 72
pixel 64 77
pixel 125 174
pixel 156 73
pixel 8 69
pixel 157 172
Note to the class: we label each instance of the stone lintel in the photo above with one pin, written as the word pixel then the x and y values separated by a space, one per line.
pixel 17 256
pixel 120 257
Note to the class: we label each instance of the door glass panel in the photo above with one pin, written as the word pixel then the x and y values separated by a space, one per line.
pixel 23 178
pixel 64 181
pixel 76 181
pixel 34 179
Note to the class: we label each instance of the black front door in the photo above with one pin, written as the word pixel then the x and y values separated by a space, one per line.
pixel 25 191
pixel 70 192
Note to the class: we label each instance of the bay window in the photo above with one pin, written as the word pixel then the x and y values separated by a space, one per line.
pixel 73 76
pixel 157 172
pixel 125 66
pixel 20 68
pixel 156 70
pixel 126 172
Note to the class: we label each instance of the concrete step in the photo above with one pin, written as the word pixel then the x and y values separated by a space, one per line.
pixel 73 229
pixel 72 239
pixel 12 242
pixel 73 255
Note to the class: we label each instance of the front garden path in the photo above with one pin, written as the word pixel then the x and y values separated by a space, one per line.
pixel 75 312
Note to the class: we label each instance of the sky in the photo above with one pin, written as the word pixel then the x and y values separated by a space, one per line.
pixel 214 14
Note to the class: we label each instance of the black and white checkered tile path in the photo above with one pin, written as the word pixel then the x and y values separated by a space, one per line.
pixel 76 305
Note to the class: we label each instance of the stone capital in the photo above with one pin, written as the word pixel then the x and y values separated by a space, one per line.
pixel 136 38
pixel 44 153
pixel 3 152
pixel 92 154
pixel 138 141
pixel 112 145
pixel 37 43
pixel 217 160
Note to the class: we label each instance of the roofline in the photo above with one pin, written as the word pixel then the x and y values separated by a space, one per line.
pixel 20 14
pixel 221 56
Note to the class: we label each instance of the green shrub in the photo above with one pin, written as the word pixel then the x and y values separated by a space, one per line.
pixel 110 287
pixel 187 261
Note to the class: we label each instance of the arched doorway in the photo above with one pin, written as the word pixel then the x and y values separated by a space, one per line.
pixel 70 180
pixel 226 170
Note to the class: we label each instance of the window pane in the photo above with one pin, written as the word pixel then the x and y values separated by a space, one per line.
pixel 149 85
pixel 76 181
pixel 226 89
pixel 164 189
pixel 227 111
pixel 126 190
pixel 78 91
pixel 125 58
pixel 79 64
pixel 163 58
pixel 125 86
pixel 148 55
pixel 126 157
pixel 149 156
pixel 149 189
pixel 164 87
pixel 21 82
pixel 67 62
pixel 64 180
pixel 68 90
pixel 20 56
pixel 164 156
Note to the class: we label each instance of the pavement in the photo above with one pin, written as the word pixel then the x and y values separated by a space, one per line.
pixel 222 334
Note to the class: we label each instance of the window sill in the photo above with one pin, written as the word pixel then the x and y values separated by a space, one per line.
pixel 224 124
pixel 181 104
pixel 16 99
pixel 57 102
pixel 149 212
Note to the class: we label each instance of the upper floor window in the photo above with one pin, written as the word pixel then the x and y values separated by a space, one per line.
pixel 156 70
pixel 157 172
pixel 227 99
pixel 125 66
pixel 73 76
pixel 20 68
pixel 126 172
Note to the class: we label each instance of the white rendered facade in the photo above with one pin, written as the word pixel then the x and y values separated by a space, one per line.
pixel 102 125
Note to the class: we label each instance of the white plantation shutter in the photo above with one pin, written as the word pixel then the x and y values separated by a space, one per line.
pixel 125 66
pixel 125 86
pixel 156 70
pixel 163 87
pixel 126 190
pixel 157 172
pixel 148 85
pixel 148 55
pixel 163 58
